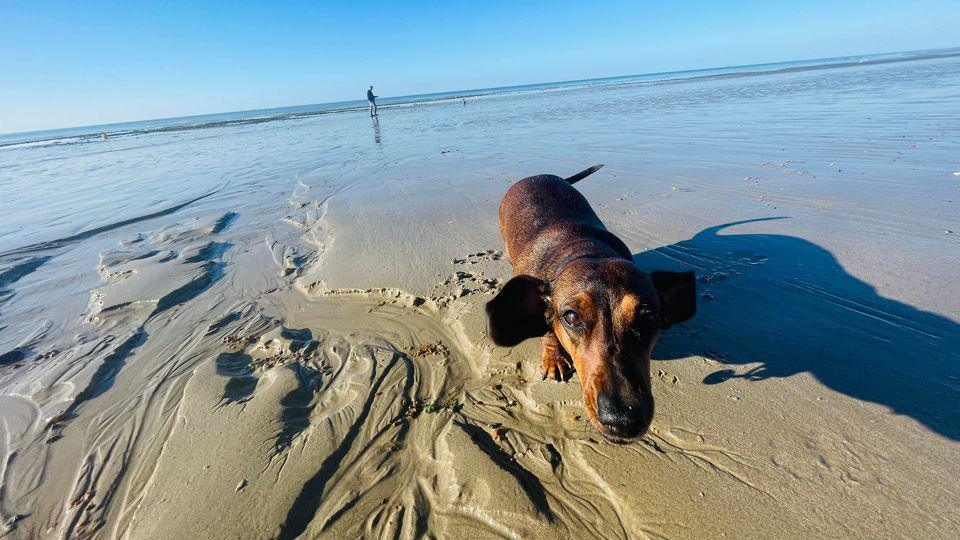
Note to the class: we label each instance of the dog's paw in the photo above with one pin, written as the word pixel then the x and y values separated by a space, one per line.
pixel 556 366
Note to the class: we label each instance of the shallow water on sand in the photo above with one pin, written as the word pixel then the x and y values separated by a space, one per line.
pixel 218 330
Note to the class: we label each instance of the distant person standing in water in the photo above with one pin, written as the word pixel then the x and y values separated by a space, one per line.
pixel 372 99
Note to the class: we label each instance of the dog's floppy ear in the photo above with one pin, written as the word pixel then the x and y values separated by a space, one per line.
pixel 518 311
pixel 678 296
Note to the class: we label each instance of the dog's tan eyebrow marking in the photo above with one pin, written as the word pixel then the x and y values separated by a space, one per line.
pixel 627 309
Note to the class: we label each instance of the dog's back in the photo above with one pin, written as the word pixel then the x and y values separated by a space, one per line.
pixel 541 214
pixel 535 203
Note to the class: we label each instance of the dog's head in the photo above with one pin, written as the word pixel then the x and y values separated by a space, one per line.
pixel 607 314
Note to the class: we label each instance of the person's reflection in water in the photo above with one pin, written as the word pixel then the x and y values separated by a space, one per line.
pixel 376 129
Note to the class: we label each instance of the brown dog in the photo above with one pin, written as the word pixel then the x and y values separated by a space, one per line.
pixel 575 284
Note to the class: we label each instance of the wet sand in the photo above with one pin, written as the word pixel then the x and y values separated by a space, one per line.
pixel 276 329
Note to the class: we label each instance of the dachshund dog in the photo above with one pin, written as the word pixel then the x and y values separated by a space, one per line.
pixel 576 287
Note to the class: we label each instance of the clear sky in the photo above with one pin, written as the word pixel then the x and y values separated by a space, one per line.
pixel 87 62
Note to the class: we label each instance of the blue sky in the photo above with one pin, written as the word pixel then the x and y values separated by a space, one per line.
pixel 77 63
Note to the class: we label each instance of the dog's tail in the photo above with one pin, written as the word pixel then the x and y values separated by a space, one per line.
pixel 583 174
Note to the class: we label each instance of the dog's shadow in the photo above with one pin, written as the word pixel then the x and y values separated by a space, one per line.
pixel 786 304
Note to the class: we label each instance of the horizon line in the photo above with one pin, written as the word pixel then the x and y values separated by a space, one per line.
pixel 467 92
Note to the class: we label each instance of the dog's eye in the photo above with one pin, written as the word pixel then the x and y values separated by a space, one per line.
pixel 647 315
pixel 570 317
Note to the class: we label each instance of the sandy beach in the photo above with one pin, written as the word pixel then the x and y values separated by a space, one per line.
pixel 276 329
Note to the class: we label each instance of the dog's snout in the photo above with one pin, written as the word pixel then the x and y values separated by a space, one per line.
pixel 623 418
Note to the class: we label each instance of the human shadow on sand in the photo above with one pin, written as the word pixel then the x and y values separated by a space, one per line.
pixel 787 304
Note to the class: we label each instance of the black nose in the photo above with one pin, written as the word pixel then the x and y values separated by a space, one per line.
pixel 625 420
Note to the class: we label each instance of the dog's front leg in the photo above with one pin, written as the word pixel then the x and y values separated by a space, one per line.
pixel 556 363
